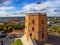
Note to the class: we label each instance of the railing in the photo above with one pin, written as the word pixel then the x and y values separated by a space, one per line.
pixel 30 41
pixel 33 40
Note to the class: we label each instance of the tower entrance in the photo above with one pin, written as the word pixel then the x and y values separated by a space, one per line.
pixel 30 34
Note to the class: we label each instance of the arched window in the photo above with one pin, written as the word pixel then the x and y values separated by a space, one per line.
pixel 33 21
pixel 42 35
pixel 42 21
pixel 32 28
pixel 30 34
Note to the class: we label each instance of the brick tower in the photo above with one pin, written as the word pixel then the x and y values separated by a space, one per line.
pixel 36 26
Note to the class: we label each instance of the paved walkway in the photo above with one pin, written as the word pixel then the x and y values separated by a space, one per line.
pixel 25 41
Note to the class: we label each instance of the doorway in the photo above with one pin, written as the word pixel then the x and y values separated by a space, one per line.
pixel 30 34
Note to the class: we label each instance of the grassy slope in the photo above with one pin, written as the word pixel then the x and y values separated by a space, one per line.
pixel 17 42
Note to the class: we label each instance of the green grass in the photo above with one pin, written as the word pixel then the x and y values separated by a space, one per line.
pixel 17 42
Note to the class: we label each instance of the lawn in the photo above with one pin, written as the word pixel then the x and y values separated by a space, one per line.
pixel 17 42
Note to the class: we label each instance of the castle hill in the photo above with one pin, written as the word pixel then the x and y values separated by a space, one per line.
pixel 29 22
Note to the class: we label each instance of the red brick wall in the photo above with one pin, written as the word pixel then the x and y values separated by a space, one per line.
pixel 37 33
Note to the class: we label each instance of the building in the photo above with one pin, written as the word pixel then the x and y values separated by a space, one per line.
pixel 16 33
pixel 36 26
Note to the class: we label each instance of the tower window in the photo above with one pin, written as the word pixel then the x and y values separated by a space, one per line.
pixel 42 35
pixel 33 21
pixel 32 28
pixel 42 21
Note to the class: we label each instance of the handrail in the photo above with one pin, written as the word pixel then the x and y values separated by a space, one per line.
pixel 33 41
